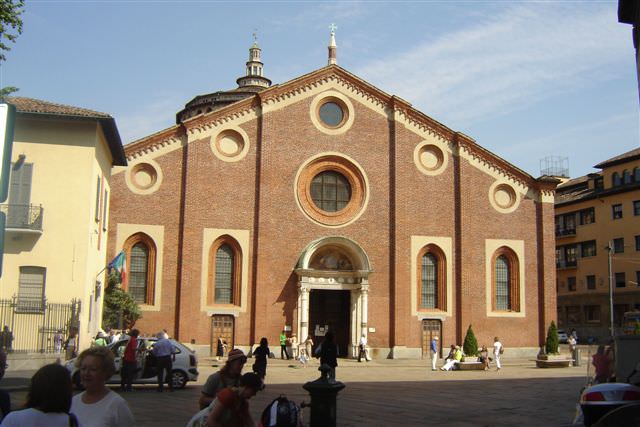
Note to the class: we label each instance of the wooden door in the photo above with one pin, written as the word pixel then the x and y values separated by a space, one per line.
pixel 431 328
pixel 222 326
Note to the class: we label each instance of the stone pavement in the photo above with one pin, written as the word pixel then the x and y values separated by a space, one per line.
pixel 387 393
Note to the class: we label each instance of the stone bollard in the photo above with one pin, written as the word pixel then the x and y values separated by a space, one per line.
pixel 323 398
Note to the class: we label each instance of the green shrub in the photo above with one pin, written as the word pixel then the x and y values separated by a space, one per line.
pixel 470 346
pixel 552 343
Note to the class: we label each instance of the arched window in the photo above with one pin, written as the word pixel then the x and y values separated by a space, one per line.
pixel 225 262
pixel 141 261
pixel 615 179
pixel 636 175
pixel 431 279
pixel 506 280
pixel 626 177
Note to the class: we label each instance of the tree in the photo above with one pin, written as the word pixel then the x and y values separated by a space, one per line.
pixel 470 346
pixel 552 343
pixel 10 29
pixel 120 310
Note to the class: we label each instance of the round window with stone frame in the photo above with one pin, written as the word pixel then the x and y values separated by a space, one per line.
pixel 330 191
pixel 332 112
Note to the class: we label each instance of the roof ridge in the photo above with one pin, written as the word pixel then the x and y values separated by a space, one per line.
pixel 35 105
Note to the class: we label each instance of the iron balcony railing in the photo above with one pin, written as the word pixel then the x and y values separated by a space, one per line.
pixel 560 232
pixel 23 217
pixel 566 264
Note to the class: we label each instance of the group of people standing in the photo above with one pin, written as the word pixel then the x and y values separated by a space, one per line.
pixel 456 355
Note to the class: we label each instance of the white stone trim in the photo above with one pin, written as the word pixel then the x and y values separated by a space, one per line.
pixel 224 157
pixel 129 179
pixel 491 246
pixel 313 113
pixel 446 245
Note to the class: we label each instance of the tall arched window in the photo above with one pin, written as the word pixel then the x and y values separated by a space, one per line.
pixel 615 179
pixel 626 177
pixel 225 263
pixel 141 262
pixel 431 279
pixel 636 175
pixel 224 275
pixel 506 280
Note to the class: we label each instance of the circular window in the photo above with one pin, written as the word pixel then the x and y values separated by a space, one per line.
pixel 230 145
pixel 144 176
pixel 429 158
pixel 503 197
pixel 331 190
pixel 331 114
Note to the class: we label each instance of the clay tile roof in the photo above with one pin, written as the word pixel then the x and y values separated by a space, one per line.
pixel 31 105
pixel 109 127
pixel 622 158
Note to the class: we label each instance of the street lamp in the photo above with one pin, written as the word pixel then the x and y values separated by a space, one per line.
pixel 610 250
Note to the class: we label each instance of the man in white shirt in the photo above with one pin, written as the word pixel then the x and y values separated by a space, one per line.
pixel 497 351
pixel 362 349
pixel 163 351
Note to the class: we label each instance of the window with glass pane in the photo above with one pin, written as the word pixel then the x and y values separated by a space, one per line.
pixel 618 245
pixel 330 191
pixel 429 294
pixel 615 179
pixel 224 275
pixel 591 282
pixel 636 174
pixel 626 177
pixel 31 289
pixel 621 280
pixel 571 283
pixel 588 248
pixel 331 114
pixel 139 260
pixel 636 207
pixel 502 283
pixel 587 216
pixel 616 211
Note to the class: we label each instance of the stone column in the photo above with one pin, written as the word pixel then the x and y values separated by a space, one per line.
pixel 303 313
pixel 364 295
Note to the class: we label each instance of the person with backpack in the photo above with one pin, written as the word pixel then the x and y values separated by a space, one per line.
pixel 498 349
pixel 281 412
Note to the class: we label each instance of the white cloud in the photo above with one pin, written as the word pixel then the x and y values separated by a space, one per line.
pixel 506 61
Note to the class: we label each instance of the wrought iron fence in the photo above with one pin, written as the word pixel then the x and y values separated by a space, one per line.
pixel 23 217
pixel 32 330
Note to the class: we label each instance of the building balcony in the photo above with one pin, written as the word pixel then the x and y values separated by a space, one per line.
pixel 560 265
pixel 23 218
pixel 565 232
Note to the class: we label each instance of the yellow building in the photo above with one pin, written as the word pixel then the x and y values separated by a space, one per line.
pixel 596 214
pixel 56 228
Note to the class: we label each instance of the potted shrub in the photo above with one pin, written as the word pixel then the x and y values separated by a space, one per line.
pixel 551 350
pixel 470 346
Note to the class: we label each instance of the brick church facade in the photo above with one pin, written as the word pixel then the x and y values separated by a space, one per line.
pixel 324 203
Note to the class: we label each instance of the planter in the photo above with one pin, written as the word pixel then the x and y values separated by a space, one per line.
pixel 553 357
pixel 553 361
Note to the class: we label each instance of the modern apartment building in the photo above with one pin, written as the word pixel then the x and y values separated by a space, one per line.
pixel 597 221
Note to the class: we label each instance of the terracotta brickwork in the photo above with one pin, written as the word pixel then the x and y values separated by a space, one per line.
pixel 258 194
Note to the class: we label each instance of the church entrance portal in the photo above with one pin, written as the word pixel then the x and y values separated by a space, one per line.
pixel 330 310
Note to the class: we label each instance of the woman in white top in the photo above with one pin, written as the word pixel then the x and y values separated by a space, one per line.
pixel 98 406
pixel 48 400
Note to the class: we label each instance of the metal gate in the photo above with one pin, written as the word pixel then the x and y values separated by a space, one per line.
pixel 431 328
pixel 29 326
pixel 222 327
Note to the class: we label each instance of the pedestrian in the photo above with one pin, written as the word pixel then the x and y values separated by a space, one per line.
pixel 329 354
pixel 293 343
pixel 5 399
pixel 129 362
pixel 572 348
pixel 71 343
pixel 98 405
pixel 6 339
pixel 498 349
pixel 362 349
pixel 58 338
pixel 283 345
pixel 232 403
pixel 308 347
pixel 228 376
pixel 484 357
pixel 600 362
pixel 100 340
pixel 163 352
pixel 261 354
pixel 434 352
pixel 457 358
pixel 48 400
pixel 220 348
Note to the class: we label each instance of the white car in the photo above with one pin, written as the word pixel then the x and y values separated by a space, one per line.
pixel 185 364
pixel 563 338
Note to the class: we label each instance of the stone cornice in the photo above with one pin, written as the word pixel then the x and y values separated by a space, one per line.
pixel 153 142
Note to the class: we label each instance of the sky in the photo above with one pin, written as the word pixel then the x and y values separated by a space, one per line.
pixel 525 79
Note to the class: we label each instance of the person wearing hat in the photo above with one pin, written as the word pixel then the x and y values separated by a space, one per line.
pixel 228 376
pixel 231 406
pixel 434 352
pixel 100 340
